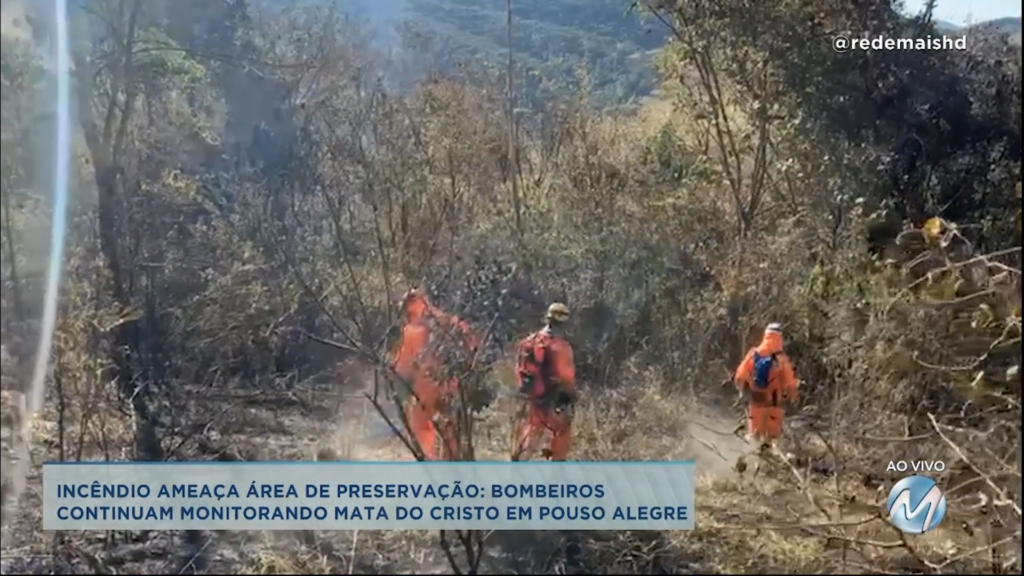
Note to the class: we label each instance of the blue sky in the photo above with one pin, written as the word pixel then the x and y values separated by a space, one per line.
pixel 957 11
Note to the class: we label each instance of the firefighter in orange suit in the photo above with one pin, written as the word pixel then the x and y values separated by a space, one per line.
pixel 767 378
pixel 547 381
pixel 417 361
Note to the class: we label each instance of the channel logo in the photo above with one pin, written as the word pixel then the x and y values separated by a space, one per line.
pixel 916 505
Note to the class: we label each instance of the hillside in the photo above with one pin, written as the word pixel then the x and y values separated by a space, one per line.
pixel 1008 25
pixel 1011 26
pixel 555 42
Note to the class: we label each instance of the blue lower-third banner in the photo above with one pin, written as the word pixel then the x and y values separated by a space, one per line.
pixel 368 496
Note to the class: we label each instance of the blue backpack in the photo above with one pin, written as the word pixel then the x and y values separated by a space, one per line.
pixel 762 370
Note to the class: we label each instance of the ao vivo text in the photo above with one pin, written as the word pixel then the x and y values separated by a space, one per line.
pixel 916 466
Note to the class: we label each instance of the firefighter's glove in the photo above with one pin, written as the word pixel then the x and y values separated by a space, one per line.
pixel 564 402
pixel 565 397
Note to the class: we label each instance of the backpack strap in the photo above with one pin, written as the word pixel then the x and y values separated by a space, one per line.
pixel 540 341
pixel 540 368
pixel 545 364
pixel 774 355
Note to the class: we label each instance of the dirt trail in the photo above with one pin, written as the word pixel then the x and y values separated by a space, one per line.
pixel 360 433
pixel 706 437
pixel 710 441
pixel 363 435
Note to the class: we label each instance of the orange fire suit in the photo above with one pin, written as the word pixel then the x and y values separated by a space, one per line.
pixel 765 408
pixel 547 377
pixel 416 359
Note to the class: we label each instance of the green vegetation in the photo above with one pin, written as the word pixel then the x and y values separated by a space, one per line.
pixel 556 42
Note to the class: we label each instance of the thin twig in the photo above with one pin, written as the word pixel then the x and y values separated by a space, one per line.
pixel 1004 501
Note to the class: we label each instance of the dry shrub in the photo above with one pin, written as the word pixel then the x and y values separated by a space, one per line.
pixel 13 448
pixel 83 418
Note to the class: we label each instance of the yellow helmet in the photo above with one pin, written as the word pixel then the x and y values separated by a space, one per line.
pixel 557 313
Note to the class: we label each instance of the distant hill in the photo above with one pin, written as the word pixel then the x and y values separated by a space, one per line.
pixel 553 39
pixel 1010 25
